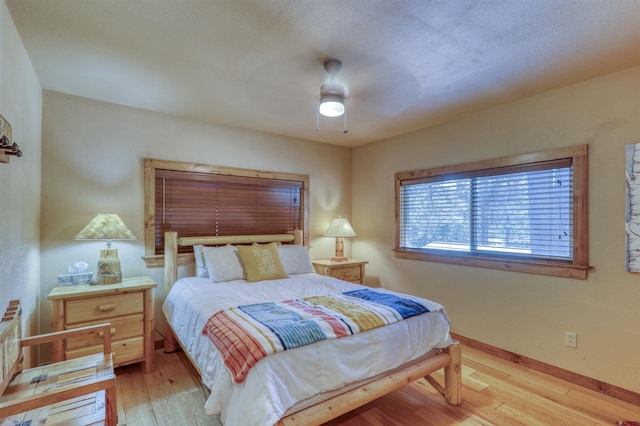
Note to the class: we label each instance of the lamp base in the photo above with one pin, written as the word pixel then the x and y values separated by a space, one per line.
pixel 109 278
pixel 109 267
pixel 339 257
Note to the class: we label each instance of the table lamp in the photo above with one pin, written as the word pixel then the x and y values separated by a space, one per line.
pixel 340 228
pixel 107 226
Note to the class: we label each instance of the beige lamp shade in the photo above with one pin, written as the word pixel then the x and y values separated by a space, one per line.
pixel 340 228
pixel 107 226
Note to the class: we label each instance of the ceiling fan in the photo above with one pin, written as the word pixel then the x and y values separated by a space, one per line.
pixel 331 102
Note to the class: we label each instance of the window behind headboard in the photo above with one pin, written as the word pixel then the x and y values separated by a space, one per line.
pixel 203 200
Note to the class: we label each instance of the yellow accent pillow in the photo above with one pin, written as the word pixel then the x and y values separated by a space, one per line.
pixel 262 262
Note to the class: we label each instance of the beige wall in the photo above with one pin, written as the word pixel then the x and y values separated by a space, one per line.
pixel 21 105
pixel 93 154
pixel 526 314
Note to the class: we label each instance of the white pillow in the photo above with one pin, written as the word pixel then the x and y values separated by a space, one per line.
pixel 295 259
pixel 223 263
pixel 201 267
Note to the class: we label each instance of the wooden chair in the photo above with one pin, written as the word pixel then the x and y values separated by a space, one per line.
pixel 79 391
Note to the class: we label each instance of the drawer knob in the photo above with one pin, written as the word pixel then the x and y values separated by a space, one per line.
pixel 112 332
pixel 107 307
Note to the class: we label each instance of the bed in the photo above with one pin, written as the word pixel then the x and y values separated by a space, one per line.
pixel 310 384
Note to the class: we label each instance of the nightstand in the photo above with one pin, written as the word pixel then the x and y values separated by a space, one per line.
pixel 350 270
pixel 128 306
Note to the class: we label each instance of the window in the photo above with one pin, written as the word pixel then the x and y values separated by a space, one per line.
pixel 524 213
pixel 199 200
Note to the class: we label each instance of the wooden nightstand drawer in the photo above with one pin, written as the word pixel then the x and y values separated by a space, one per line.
pixel 123 351
pixel 121 328
pixel 350 270
pixel 97 308
pixel 351 273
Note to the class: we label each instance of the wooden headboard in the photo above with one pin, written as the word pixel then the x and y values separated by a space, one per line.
pixel 172 242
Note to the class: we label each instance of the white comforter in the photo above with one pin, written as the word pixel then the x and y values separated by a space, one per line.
pixel 284 379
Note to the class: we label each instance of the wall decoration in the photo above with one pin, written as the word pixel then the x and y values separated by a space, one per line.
pixel 6 147
pixel 632 219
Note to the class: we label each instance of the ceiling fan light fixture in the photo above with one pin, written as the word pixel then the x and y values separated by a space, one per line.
pixel 331 105
pixel 332 95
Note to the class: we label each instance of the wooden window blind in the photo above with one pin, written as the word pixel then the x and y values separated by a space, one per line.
pixel 198 204
pixel 195 199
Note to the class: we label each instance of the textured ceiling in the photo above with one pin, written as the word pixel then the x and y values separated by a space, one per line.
pixel 258 64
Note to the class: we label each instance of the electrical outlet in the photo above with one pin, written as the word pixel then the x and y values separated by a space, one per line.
pixel 571 339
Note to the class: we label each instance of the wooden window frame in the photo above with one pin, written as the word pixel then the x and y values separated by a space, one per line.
pixel 577 269
pixel 151 165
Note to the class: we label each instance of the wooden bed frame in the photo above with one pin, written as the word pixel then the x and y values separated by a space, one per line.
pixel 449 358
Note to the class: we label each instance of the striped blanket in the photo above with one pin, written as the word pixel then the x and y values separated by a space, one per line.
pixel 246 334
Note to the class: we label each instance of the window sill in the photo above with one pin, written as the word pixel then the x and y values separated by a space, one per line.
pixel 562 270
pixel 157 260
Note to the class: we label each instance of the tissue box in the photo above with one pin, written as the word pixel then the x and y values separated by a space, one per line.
pixel 83 278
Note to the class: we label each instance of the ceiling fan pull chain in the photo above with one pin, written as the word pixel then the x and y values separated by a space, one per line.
pixel 345 121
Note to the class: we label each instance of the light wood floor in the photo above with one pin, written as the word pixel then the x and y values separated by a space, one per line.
pixel 495 392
